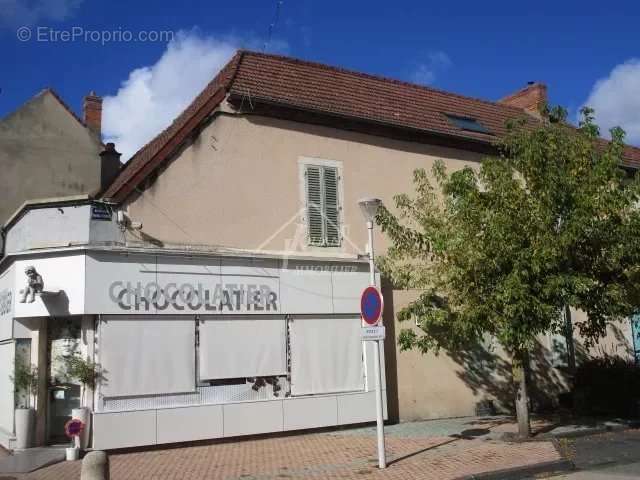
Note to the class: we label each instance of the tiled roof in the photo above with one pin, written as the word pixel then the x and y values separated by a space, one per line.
pixel 321 89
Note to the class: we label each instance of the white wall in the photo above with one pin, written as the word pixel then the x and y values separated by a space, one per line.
pixel 300 287
pixel 7 300
pixel 64 273
pixel 50 227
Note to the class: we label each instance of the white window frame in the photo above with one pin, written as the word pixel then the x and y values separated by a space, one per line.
pixel 303 163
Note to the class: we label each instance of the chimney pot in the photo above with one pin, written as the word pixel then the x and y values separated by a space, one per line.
pixel 109 165
pixel 92 113
pixel 531 98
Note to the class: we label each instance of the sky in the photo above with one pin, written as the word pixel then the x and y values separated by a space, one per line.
pixel 149 59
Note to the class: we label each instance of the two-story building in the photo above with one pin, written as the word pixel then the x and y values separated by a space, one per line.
pixel 217 281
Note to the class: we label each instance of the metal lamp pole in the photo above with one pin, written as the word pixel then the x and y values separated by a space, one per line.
pixel 369 208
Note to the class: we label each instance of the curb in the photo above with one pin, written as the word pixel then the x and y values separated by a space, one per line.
pixel 589 431
pixel 514 473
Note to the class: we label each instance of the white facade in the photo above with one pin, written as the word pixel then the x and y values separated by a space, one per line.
pixel 194 347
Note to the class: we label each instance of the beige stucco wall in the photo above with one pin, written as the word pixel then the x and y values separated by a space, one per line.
pixel 45 152
pixel 238 185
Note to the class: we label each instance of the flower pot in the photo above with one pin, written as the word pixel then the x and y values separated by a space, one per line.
pixel 72 454
pixel 25 420
pixel 84 415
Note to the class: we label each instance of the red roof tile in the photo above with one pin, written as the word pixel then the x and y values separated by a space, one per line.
pixel 320 88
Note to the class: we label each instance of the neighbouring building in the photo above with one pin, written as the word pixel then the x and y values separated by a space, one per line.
pixel 216 281
pixel 47 151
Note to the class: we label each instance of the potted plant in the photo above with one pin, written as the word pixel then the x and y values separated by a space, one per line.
pixel 25 384
pixel 74 429
pixel 87 373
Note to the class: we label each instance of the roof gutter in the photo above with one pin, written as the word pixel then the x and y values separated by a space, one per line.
pixel 488 144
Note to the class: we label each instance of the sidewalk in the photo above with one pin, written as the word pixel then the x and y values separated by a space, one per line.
pixel 436 450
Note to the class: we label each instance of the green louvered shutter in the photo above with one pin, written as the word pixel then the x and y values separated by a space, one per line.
pixel 323 210
pixel 331 208
pixel 315 227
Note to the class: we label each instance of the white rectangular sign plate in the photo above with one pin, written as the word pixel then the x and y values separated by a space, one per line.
pixel 373 333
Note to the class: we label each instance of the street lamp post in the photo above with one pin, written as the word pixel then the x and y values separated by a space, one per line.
pixel 369 207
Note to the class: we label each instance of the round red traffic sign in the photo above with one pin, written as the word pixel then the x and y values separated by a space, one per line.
pixel 371 305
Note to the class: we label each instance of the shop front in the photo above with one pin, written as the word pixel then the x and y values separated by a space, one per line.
pixel 185 346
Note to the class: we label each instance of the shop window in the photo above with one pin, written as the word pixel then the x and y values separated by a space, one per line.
pixel 7 361
pixel 326 355
pixel 23 368
pixel 146 355
pixel 322 203
pixel 242 348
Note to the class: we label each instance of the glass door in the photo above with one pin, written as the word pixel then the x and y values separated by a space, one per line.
pixel 635 332
pixel 63 392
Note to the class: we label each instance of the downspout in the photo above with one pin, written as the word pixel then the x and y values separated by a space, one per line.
pixel 3 236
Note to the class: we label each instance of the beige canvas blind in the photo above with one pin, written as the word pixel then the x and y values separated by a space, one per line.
pixel 146 355
pixel 242 347
pixel 326 355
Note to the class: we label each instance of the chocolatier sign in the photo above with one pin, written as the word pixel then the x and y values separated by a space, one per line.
pixel 216 297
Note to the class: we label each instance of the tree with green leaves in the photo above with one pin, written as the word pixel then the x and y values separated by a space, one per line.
pixel 549 223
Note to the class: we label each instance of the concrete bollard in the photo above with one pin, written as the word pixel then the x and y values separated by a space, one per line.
pixel 95 466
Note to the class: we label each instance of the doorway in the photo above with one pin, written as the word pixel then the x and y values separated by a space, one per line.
pixel 635 333
pixel 63 392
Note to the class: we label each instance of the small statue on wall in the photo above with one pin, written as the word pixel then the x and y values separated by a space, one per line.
pixel 35 284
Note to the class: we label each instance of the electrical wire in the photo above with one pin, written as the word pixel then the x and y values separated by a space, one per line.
pixel 272 25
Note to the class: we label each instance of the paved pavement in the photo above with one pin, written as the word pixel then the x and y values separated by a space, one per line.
pixel 421 450
pixel 604 456
pixel 30 460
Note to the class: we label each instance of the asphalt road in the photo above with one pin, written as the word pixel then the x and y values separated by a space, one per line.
pixel 614 455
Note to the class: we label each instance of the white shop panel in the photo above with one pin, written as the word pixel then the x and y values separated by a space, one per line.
pixel 64 284
pixel 348 283
pixel 188 285
pixel 252 418
pixel 120 283
pixel 7 300
pixel 359 407
pixel 306 288
pixel 190 423
pixel 250 267
pixel 310 412
pixel 124 429
pixel 7 358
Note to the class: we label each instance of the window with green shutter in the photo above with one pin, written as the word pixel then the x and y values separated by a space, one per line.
pixel 323 209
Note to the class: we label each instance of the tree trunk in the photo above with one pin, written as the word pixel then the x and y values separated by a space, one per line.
pixel 522 397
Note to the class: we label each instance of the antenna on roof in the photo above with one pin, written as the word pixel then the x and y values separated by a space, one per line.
pixel 272 25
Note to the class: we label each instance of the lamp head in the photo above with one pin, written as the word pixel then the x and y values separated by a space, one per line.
pixel 369 207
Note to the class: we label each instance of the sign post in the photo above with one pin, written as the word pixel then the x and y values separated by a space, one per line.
pixel 371 304
pixel 371 310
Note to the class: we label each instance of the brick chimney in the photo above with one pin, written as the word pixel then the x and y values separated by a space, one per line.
pixel 109 165
pixel 531 98
pixel 92 113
